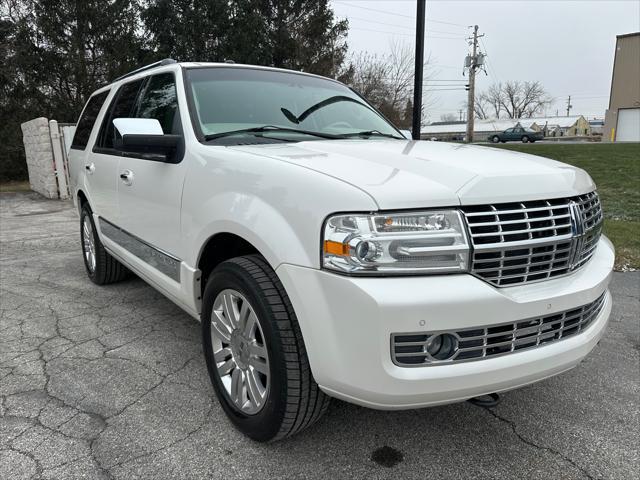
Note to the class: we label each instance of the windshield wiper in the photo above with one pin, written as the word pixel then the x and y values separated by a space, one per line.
pixel 370 133
pixel 270 128
pixel 313 108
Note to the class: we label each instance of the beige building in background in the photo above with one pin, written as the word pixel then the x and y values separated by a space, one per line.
pixel 622 119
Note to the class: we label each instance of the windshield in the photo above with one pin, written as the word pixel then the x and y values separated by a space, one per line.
pixel 291 105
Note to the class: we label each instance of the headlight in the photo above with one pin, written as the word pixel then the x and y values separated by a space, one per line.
pixel 396 243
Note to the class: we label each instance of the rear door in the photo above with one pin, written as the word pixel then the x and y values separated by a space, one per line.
pixel 94 177
pixel 150 191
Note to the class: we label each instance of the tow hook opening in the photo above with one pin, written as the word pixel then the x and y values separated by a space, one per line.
pixel 487 401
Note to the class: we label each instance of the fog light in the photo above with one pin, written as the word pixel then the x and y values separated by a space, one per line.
pixel 442 346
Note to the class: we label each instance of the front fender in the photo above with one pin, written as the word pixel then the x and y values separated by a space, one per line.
pixel 257 222
pixel 276 206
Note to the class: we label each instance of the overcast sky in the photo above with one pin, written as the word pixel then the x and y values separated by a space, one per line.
pixel 566 45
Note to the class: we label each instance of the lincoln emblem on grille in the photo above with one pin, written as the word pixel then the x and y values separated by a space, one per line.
pixel 577 223
pixel 577 228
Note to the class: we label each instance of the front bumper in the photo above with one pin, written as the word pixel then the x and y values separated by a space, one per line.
pixel 347 324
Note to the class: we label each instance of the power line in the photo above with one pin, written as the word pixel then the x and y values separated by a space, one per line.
pixel 594 96
pixel 446 89
pixel 349 17
pixel 404 34
pixel 443 66
pixel 399 14
pixel 490 65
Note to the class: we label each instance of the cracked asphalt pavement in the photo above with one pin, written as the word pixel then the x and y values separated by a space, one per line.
pixel 110 382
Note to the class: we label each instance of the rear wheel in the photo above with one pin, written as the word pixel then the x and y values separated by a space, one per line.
pixel 495 139
pixel 255 353
pixel 525 139
pixel 101 267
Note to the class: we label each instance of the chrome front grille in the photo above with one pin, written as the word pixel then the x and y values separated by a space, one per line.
pixel 516 243
pixel 411 349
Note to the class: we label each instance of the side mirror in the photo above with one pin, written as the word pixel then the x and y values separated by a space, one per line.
pixel 143 136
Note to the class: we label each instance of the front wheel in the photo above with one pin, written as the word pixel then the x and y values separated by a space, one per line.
pixel 255 352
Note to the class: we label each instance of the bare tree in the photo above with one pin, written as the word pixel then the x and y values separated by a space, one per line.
pixel 492 100
pixel 367 75
pixel 481 107
pixel 514 99
pixel 448 117
pixel 387 82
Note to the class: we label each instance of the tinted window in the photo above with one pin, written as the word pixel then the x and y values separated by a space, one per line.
pixel 87 120
pixel 123 106
pixel 159 101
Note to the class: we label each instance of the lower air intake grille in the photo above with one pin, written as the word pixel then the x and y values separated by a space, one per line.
pixel 411 349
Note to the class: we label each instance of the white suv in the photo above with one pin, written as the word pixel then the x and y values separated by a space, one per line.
pixel 328 256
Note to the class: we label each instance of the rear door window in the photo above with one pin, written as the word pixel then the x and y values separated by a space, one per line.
pixel 88 120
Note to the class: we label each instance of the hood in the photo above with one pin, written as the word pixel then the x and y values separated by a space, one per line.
pixel 417 174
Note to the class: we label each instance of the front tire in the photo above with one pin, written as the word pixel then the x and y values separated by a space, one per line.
pixel 255 352
pixel 101 267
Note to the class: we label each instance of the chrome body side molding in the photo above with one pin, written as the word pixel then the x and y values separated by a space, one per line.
pixel 162 261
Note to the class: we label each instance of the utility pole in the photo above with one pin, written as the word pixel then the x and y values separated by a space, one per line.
pixel 569 106
pixel 474 63
pixel 417 85
pixel 460 115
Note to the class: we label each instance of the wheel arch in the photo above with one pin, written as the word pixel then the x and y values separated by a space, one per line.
pixel 218 248
pixel 81 199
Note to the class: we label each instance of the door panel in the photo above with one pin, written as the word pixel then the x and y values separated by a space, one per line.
pixel 150 198
pixel 150 204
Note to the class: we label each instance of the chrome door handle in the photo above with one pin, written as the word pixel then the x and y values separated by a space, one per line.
pixel 90 168
pixel 127 177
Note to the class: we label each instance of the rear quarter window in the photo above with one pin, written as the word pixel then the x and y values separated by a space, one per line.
pixel 88 120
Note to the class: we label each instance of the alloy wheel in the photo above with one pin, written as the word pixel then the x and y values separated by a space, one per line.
pixel 239 351
pixel 88 244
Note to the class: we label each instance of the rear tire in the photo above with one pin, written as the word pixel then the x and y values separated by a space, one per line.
pixel 525 139
pixel 293 400
pixel 495 139
pixel 101 267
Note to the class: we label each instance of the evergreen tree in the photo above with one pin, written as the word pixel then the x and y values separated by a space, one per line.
pixel 296 34
pixel 55 53
pixel 188 30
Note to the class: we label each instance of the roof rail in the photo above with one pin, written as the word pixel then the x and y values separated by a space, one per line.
pixel 166 61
